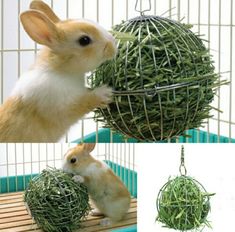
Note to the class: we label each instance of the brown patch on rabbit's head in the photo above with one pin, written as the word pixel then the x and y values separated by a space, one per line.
pixel 73 45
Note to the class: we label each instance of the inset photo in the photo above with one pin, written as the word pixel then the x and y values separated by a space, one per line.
pixel 186 187
pixel 68 187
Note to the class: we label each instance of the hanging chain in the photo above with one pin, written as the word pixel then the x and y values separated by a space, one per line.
pixel 140 7
pixel 182 169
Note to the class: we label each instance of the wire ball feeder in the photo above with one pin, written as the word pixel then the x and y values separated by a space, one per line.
pixel 163 79
pixel 183 203
pixel 56 202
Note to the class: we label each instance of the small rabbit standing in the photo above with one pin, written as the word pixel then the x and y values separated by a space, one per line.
pixel 48 99
pixel 107 191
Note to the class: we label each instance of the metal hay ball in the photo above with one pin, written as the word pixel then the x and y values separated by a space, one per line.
pixel 163 80
pixel 183 204
pixel 56 202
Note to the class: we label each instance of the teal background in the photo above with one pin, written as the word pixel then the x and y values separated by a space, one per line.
pixel 104 135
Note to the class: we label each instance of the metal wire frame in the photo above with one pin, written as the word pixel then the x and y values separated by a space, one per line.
pixel 169 189
pixel 169 182
pixel 122 125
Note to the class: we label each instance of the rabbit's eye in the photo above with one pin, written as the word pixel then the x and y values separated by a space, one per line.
pixel 73 160
pixel 84 41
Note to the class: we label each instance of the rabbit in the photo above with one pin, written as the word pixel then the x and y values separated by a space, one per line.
pixel 106 190
pixel 49 98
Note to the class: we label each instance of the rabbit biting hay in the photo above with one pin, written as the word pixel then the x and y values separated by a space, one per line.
pixel 52 96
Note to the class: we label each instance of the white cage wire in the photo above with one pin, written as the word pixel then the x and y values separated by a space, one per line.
pixel 212 19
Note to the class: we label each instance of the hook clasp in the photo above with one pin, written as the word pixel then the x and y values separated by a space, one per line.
pixel 182 168
pixel 140 10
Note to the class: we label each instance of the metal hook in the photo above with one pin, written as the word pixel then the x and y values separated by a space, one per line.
pixel 142 11
pixel 151 93
pixel 182 168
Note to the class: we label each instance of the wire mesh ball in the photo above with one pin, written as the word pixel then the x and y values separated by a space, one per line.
pixel 163 80
pixel 56 202
pixel 183 204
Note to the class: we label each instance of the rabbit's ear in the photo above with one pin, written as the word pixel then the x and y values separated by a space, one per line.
pixel 43 7
pixel 89 147
pixel 40 28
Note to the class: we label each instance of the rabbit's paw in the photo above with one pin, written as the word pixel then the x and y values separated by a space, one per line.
pixel 104 96
pixel 78 179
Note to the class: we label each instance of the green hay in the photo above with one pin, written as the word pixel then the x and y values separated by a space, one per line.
pixel 183 204
pixel 56 202
pixel 155 53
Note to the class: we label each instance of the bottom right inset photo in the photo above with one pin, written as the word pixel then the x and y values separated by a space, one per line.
pixel 186 187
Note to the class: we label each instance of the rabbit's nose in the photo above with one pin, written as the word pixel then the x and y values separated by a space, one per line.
pixel 110 37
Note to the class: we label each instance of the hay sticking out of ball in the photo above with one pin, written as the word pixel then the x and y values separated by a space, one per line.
pixel 163 77
pixel 183 204
pixel 56 202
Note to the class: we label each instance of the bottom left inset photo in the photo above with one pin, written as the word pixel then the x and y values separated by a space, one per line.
pixel 68 187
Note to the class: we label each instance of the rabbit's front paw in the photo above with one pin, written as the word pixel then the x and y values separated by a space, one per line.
pixel 104 96
pixel 78 179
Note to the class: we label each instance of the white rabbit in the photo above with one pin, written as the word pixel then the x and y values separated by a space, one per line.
pixel 49 98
